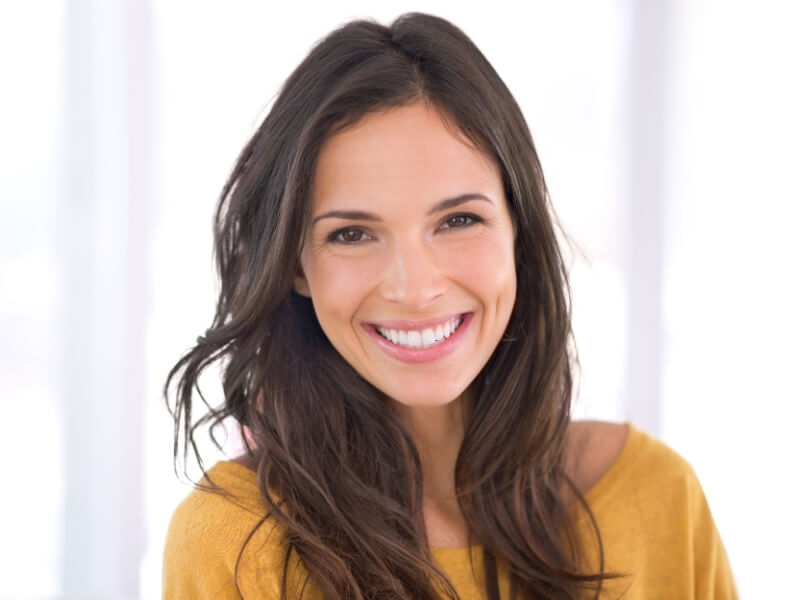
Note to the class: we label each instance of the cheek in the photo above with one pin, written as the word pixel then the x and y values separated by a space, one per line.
pixel 488 268
pixel 337 289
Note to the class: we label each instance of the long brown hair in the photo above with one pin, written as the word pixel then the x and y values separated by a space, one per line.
pixel 325 441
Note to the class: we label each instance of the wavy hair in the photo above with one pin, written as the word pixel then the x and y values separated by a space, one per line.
pixel 336 466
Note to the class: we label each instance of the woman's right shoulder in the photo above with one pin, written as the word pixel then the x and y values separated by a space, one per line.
pixel 221 536
pixel 225 503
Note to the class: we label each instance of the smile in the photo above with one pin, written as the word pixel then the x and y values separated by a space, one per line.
pixel 420 342
pixel 421 338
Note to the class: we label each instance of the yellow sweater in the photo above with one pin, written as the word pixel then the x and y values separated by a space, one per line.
pixel 653 517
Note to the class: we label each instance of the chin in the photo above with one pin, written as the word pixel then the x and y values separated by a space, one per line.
pixel 425 398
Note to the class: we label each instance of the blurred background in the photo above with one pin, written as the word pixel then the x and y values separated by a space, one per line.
pixel 669 136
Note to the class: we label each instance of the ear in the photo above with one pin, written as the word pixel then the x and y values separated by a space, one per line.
pixel 301 284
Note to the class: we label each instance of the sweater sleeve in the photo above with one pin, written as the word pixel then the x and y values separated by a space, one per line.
pixel 195 561
pixel 712 572
pixel 219 549
pixel 657 530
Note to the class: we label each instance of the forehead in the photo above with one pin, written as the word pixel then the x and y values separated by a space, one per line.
pixel 407 152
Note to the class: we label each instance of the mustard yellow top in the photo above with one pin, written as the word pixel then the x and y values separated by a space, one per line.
pixel 654 520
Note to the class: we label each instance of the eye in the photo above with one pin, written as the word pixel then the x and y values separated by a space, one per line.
pixel 349 235
pixel 459 221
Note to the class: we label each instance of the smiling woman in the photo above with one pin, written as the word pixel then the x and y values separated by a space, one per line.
pixel 411 238
pixel 394 329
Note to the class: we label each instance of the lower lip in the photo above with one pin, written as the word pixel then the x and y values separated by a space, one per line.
pixel 422 355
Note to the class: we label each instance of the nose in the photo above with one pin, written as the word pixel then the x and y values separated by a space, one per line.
pixel 413 275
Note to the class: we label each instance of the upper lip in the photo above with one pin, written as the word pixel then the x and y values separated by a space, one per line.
pixel 412 325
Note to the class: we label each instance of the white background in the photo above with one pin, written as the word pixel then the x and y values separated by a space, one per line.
pixel 669 136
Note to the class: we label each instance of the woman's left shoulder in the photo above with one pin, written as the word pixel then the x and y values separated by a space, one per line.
pixel 593 447
pixel 611 461
pixel 651 511
pixel 599 452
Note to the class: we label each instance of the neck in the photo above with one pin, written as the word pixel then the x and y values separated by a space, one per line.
pixel 437 432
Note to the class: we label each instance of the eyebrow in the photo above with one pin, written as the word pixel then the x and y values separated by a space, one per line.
pixel 358 215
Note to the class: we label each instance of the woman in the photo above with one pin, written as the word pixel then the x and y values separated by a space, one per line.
pixel 394 328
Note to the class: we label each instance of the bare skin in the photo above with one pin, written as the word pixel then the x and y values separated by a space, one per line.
pixel 438 432
pixel 592 447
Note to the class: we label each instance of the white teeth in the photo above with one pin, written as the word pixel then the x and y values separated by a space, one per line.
pixel 421 339
pixel 414 339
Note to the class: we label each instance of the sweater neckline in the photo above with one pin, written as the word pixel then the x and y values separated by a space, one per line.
pixel 592 495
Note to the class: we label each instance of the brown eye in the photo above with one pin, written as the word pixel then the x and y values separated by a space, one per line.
pixel 457 221
pixel 350 235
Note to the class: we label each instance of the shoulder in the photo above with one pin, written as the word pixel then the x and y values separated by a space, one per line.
pixel 592 448
pixel 620 468
pixel 210 530
pixel 225 503
pixel 597 451
pixel 652 514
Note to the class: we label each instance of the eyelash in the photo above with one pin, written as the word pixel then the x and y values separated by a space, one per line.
pixel 334 236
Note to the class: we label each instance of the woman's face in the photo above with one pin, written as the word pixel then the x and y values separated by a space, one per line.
pixel 409 256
